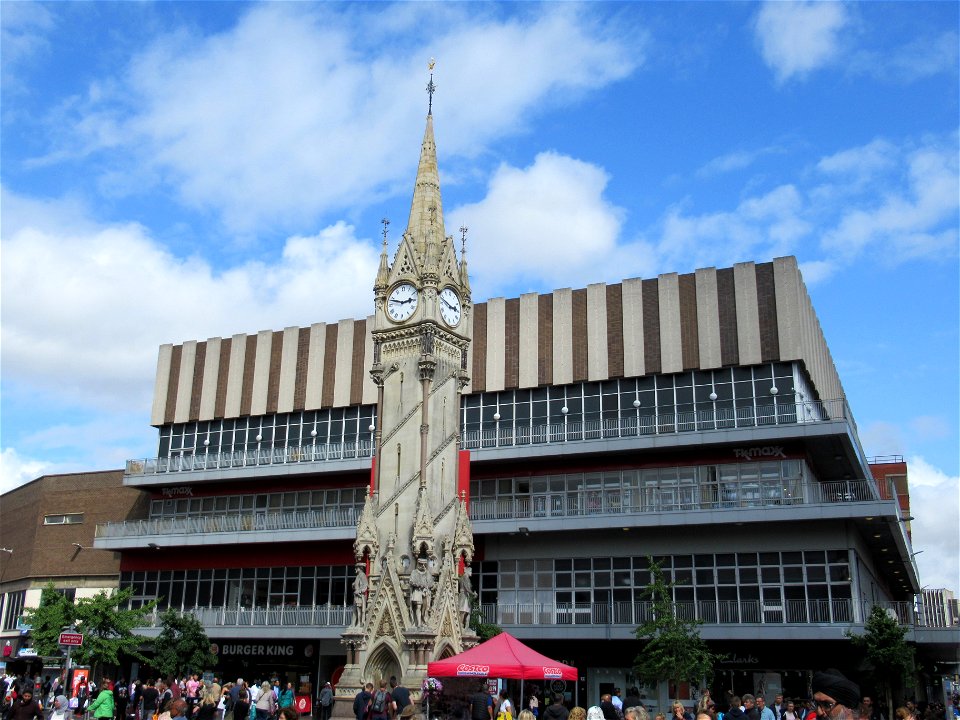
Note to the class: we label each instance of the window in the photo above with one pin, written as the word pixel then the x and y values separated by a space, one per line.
pixel 64 519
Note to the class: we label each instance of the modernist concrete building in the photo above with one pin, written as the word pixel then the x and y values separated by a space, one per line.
pixel 695 418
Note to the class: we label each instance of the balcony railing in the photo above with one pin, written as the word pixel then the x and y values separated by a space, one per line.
pixel 572 430
pixel 251 458
pixel 733 612
pixel 628 501
pixel 249 522
pixel 281 616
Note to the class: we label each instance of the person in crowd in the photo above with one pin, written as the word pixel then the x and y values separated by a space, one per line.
pixel 241 708
pixel 765 712
pixel 82 694
pixel 121 696
pixel 789 711
pixel 577 713
pixel 381 705
pixel 633 697
pixel 534 704
pixel 481 704
pixel 192 687
pixel 750 707
pixel 25 707
pixel 778 706
pixel 677 711
pixel 736 711
pixel 555 710
pixel 266 703
pixel 607 707
pixel 834 695
pixel 525 715
pixel 235 690
pixel 60 706
pixel 149 700
pixel 400 694
pixel 361 700
pixel 207 709
pixel 289 713
pixel 505 707
pixel 615 699
pixel 287 698
pixel 595 713
pixel 178 709
pixel 103 706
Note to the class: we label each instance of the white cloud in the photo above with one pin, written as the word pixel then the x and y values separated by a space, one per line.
pixel 88 326
pixel 934 499
pixel 737 160
pixel 16 470
pixel 23 28
pixel 212 115
pixel 907 218
pixel 799 37
pixel 553 209
pixel 915 60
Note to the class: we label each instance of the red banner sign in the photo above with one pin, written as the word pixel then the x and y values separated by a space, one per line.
pixel 303 705
pixel 71 639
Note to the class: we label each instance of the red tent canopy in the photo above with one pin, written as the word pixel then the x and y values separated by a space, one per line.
pixel 502 656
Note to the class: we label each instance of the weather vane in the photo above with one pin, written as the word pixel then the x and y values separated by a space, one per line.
pixel 385 222
pixel 431 88
pixel 463 238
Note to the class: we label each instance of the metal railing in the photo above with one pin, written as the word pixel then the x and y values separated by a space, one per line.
pixel 251 458
pixel 281 616
pixel 732 612
pixel 601 501
pixel 572 430
pixel 667 498
pixel 247 522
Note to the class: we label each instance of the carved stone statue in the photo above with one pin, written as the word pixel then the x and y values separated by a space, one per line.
pixel 466 597
pixel 421 593
pixel 360 585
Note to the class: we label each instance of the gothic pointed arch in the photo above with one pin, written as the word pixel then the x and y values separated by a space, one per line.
pixel 383 662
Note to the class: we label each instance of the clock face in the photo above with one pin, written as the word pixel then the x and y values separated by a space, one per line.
pixel 402 302
pixel 449 307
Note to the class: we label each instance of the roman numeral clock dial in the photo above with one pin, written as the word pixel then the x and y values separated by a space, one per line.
pixel 402 302
pixel 450 307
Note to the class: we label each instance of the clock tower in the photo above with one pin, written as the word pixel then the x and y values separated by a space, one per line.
pixel 414 540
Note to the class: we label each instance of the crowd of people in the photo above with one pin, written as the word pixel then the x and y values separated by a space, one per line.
pixel 834 697
pixel 190 698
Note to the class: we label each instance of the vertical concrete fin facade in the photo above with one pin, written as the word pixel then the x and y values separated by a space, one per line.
pixel 671 348
pixel 745 315
pixel 211 379
pixel 597 361
pixel 188 357
pixel 529 341
pixel 495 350
pixel 288 370
pixel 159 408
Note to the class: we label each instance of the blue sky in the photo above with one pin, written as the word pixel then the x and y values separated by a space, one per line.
pixel 175 171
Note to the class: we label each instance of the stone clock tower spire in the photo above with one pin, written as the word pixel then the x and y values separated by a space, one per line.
pixel 414 539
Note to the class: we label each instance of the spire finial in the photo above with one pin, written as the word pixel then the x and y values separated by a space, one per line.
pixel 463 239
pixel 431 88
pixel 385 222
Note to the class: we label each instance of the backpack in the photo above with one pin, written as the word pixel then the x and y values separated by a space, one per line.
pixel 165 700
pixel 379 700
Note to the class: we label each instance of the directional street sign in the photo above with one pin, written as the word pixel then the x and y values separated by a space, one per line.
pixel 75 639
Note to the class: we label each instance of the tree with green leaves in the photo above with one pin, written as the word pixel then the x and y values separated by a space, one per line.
pixel 182 646
pixel 484 630
pixel 107 627
pixel 48 620
pixel 674 650
pixel 889 656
